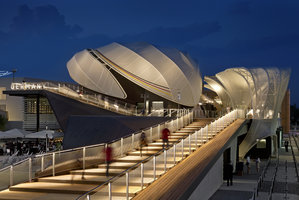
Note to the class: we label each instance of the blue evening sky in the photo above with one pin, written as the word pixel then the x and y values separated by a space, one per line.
pixel 38 37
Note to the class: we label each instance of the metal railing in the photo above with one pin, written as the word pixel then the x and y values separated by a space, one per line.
pixel 273 180
pixel 260 180
pixel 157 164
pixel 83 157
pixel 294 157
pixel 81 94
pixel 96 99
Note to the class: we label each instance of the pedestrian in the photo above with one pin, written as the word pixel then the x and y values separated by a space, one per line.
pixel 108 158
pixel 19 148
pixel 286 145
pixel 248 164
pixel 229 173
pixel 165 134
pixel 142 141
pixel 257 164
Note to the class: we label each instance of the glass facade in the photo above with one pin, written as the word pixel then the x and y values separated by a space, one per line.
pixel 47 119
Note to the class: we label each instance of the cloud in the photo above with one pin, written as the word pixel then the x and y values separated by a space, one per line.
pixel 174 35
pixel 41 21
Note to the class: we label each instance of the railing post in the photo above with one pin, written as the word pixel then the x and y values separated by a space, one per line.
pixel 174 153
pixel 84 154
pixel 165 157
pixel 109 191
pixel 121 146
pixel 207 127
pixel 42 163
pixel 192 116
pixel 127 185
pixel 189 144
pixel 154 166
pixel 158 130
pixel 196 136
pixel 88 197
pixel 182 149
pixel 151 133
pixel 201 135
pixel 30 169
pixel 53 164
pixel 142 171
pixel 11 175
pixel 133 140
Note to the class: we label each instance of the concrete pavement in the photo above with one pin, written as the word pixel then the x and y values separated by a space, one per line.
pixel 286 185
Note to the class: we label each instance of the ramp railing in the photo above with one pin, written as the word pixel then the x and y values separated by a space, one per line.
pixel 136 178
pixel 81 94
pixel 83 157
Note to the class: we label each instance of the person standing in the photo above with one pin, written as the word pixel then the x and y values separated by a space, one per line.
pixel 257 164
pixel 230 169
pixel 165 134
pixel 248 164
pixel 286 145
pixel 108 158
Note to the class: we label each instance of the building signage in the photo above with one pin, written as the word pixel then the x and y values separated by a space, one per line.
pixel 27 86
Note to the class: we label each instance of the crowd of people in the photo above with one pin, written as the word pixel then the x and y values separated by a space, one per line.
pixel 10 147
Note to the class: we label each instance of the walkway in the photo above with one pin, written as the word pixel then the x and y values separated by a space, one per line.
pixel 176 183
pixel 243 186
pixel 71 185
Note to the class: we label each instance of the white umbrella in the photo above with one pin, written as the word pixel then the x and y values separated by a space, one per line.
pixel 43 134
pixel 13 133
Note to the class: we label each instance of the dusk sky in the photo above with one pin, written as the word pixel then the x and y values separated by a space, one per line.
pixel 38 37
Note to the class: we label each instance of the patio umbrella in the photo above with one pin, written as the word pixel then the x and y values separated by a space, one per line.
pixel 13 133
pixel 43 134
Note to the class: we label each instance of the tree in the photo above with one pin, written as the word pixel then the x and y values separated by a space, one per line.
pixel 3 122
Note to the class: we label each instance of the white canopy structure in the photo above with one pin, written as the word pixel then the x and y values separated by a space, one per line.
pixel 259 89
pixel 167 73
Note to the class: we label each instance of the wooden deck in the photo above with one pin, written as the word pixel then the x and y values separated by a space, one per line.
pixel 178 180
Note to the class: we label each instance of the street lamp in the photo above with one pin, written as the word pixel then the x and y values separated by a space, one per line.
pixel 13 74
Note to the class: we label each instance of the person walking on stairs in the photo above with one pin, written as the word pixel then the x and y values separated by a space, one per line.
pixel 165 134
pixel 142 142
pixel 108 158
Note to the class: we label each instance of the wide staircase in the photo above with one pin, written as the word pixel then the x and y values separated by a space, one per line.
pixel 128 174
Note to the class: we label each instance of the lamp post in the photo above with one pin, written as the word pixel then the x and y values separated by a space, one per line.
pixel 13 74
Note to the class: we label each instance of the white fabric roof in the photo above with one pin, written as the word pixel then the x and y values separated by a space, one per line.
pixel 166 72
pixel 259 89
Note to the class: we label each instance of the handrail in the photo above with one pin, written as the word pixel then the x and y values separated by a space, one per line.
pixel 121 173
pixel 294 157
pixel 273 179
pixel 296 142
pixel 82 149
pixel 69 90
pixel 260 180
pixel 145 160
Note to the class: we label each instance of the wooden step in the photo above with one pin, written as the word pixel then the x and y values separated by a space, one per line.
pixel 46 187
